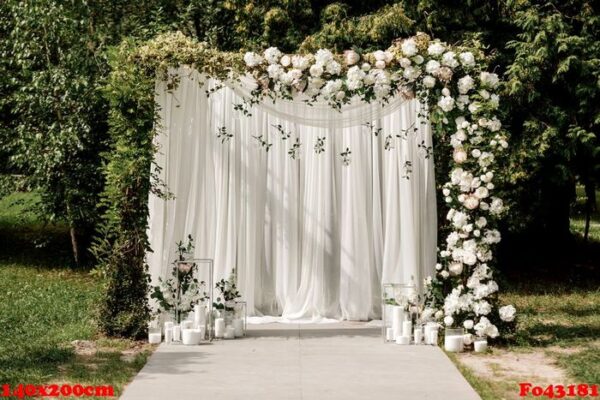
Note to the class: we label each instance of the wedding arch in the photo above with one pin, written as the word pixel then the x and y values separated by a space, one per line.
pixel 251 125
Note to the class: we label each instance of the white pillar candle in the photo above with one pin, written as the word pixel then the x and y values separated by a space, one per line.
pixel 389 334
pixel 480 345
pixel 199 316
pixel 168 325
pixel 190 336
pixel 168 335
pixel 402 340
pixel 453 343
pixel 187 324
pixel 238 326
pixel 229 332
pixel 433 337
pixel 397 319
pixel 407 328
pixel 154 338
pixel 176 333
pixel 219 327
pixel 418 335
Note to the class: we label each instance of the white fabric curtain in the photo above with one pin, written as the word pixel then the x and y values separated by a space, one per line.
pixel 310 237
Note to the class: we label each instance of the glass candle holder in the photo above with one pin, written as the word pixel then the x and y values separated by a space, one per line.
pixel 239 318
pixel 154 332
pixel 480 344
pixel 398 303
pixel 453 339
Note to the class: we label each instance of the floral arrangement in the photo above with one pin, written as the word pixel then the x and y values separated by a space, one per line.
pixel 228 293
pixel 462 105
pixel 179 293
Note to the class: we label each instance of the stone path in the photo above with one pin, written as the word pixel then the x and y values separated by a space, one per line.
pixel 305 361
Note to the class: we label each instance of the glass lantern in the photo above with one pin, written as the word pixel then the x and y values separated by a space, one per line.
pixel 197 267
pixel 400 302
pixel 154 332
pixel 240 318
pixel 454 339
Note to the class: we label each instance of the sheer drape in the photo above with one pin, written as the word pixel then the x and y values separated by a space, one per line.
pixel 310 237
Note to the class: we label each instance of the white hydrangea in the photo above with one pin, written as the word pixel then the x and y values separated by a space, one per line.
pixel 334 68
pixel 272 55
pixel 411 73
pixel 489 80
pixel 435 48
pixel 300 62
pixel 429 81
pixel 496 206
pixel 467 59
pixel 409 47
pixel 355 77
pixel 446 103
pixel 432 66
pixel 332 87
pixel 482 307
pixel 252 59
pixel 316 70
pixel 507 313
pixel 323 56
pixel 449 59
pixel 485 328
pixel 274 71
pixel 465 84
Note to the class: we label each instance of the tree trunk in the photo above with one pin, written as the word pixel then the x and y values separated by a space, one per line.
pixel 75 245
pixel 590 206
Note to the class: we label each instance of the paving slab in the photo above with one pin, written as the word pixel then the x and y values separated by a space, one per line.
pixel 346 360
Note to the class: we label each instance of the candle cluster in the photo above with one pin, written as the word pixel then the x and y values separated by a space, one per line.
pixel 402 331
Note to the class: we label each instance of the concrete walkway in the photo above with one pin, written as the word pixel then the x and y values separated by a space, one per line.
pixel 281 361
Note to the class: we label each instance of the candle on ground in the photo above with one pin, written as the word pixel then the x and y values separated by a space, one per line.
pixel 418 335
pixel 199 316
pixel 154 338
pixel 168 335
pixel 433 337
pixel 480 345
pixel 453 343
pixel 406 328
pixel 219 327
pixel 229 332
pixel 238 326
pixel 397 319
pixel 402 340
pixel 176 333
pixel 389 334
pixel 190 336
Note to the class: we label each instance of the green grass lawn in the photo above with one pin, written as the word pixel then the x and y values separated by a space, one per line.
pixel 46 304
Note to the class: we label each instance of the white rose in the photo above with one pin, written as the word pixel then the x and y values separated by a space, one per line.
pixel 476 153
pixel 418 59
pixel 455 268
pixel 340 95
pixel 351 57
pixel 507 313
pixel 448 320
pixel 444 274
pixel 409 47
pixel 285 61
pixel 365 67
pixel 438 267
pixel 482 192
pixel 435 49
pixel 497 206
pixel 316 70
pixel 467 339
pixel 467 59
pixel 379 55
pixel 459 156
pixel 468 324
pixel 438 314
pixel 405 62
pixel 380 64
pixel 272 55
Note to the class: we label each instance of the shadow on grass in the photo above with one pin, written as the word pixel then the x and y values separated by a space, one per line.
pixel 548 334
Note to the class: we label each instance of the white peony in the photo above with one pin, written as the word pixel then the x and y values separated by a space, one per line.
pixel 435 49
pixel 272 55
pixel 507 313
pixel 446 103
pixel 467 59
pixel 379 55
pixel 252 59
pixel 465 84
pixel 459 219
pixel 409 47
pixel 471 202
pixel 316 70
pixel 429 81
pixel 468 324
